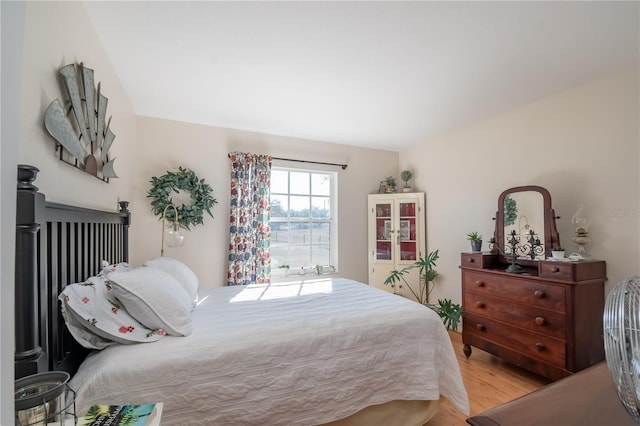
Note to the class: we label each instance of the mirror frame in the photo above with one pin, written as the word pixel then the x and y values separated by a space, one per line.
pixel 551 236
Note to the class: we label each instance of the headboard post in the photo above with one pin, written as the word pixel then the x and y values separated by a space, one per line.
pixel 124 209
pixel 29 355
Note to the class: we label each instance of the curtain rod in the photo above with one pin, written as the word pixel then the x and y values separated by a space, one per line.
pixel 344 166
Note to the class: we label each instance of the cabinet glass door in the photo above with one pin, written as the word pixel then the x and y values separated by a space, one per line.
pixel 407 230
pixel 384 228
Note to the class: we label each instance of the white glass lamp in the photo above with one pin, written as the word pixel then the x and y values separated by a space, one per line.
pixel 171 235
pixel 581 223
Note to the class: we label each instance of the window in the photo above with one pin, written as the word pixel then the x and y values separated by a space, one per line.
pixel 303 222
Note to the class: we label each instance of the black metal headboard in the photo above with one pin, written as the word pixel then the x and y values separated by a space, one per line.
pixel 56 245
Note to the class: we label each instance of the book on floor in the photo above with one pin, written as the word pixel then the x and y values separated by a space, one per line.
pixel 122 415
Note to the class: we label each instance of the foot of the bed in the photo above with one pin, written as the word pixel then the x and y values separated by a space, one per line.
pixel 467 351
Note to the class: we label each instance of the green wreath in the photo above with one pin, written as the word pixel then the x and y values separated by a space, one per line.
pixel 186 180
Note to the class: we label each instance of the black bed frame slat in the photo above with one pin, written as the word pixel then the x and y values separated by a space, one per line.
pixel 52 276
pixel 56 245
pixel 84 268
pixel 75 234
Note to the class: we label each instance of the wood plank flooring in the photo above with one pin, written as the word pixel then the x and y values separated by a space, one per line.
pixel 489 382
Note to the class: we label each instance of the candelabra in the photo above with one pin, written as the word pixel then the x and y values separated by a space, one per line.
pixel 515 249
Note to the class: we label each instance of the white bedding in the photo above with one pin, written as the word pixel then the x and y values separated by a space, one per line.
pixel 282 354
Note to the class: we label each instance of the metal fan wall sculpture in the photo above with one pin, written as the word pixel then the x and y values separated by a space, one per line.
pixel 622 342
pixel 81 130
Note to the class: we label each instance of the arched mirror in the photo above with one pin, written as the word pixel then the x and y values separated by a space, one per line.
pixel 525 224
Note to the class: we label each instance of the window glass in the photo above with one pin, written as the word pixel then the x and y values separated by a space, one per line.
pixel 279 181
pixel 299 183
pixel 320 254
pixel 321 232
pixel 299 206
pixel 321 207
pixel 279 206
pixel 320 184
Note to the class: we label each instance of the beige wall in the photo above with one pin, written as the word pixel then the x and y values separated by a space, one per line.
pixel 163 145
pixel 582 145
pixel 57 34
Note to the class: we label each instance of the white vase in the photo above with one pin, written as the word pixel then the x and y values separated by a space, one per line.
pixel 407 189
pixel 556 254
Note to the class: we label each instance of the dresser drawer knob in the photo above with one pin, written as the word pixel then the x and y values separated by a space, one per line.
pixel 480 304
pixel 555 269
pixel 541 321
pixel 471 260
pixel 481 327
pixel 540 346
pixel 480 283
pixel 539 294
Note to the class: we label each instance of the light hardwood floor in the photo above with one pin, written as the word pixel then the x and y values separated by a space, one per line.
pixel 489 382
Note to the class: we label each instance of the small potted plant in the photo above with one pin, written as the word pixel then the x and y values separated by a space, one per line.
pixel 557 252
pixel 406 176
pixel 390 181
pixel 476 241
pixel 285 269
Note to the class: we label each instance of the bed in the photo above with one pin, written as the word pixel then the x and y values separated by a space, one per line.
pixel 329 351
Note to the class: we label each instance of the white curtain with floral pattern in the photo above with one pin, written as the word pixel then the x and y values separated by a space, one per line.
pixel 249 233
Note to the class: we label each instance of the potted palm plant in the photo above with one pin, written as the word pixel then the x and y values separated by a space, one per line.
pixel 450 312
pixel 447 310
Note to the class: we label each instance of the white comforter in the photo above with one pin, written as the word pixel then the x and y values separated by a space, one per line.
pixel 282 354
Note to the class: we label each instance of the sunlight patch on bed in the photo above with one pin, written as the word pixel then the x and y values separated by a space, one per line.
pixel 283 290
pixel 200 301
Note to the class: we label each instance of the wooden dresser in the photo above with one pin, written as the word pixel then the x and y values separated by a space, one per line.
pixel 547 319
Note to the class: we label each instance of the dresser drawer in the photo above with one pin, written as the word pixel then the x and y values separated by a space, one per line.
pixel 529 317
pixel 556 270
pixel 478 260
pixel 513 287
pixel 531 344
pixel 572 271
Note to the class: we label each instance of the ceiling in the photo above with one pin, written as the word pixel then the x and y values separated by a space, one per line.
pixel 383 75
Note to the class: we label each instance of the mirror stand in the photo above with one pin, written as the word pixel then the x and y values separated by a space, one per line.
pixel 525 228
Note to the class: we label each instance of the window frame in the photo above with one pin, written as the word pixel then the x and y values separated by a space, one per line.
pixel 295 270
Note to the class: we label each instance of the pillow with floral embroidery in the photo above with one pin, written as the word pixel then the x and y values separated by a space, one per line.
pixel 178 270
pixel 117 267
pixel 154 298
pixel 96 319
pixel 76 326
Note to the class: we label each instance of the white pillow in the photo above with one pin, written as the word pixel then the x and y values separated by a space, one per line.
pixel 154 298
pixel 179 271
pixel 97 320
